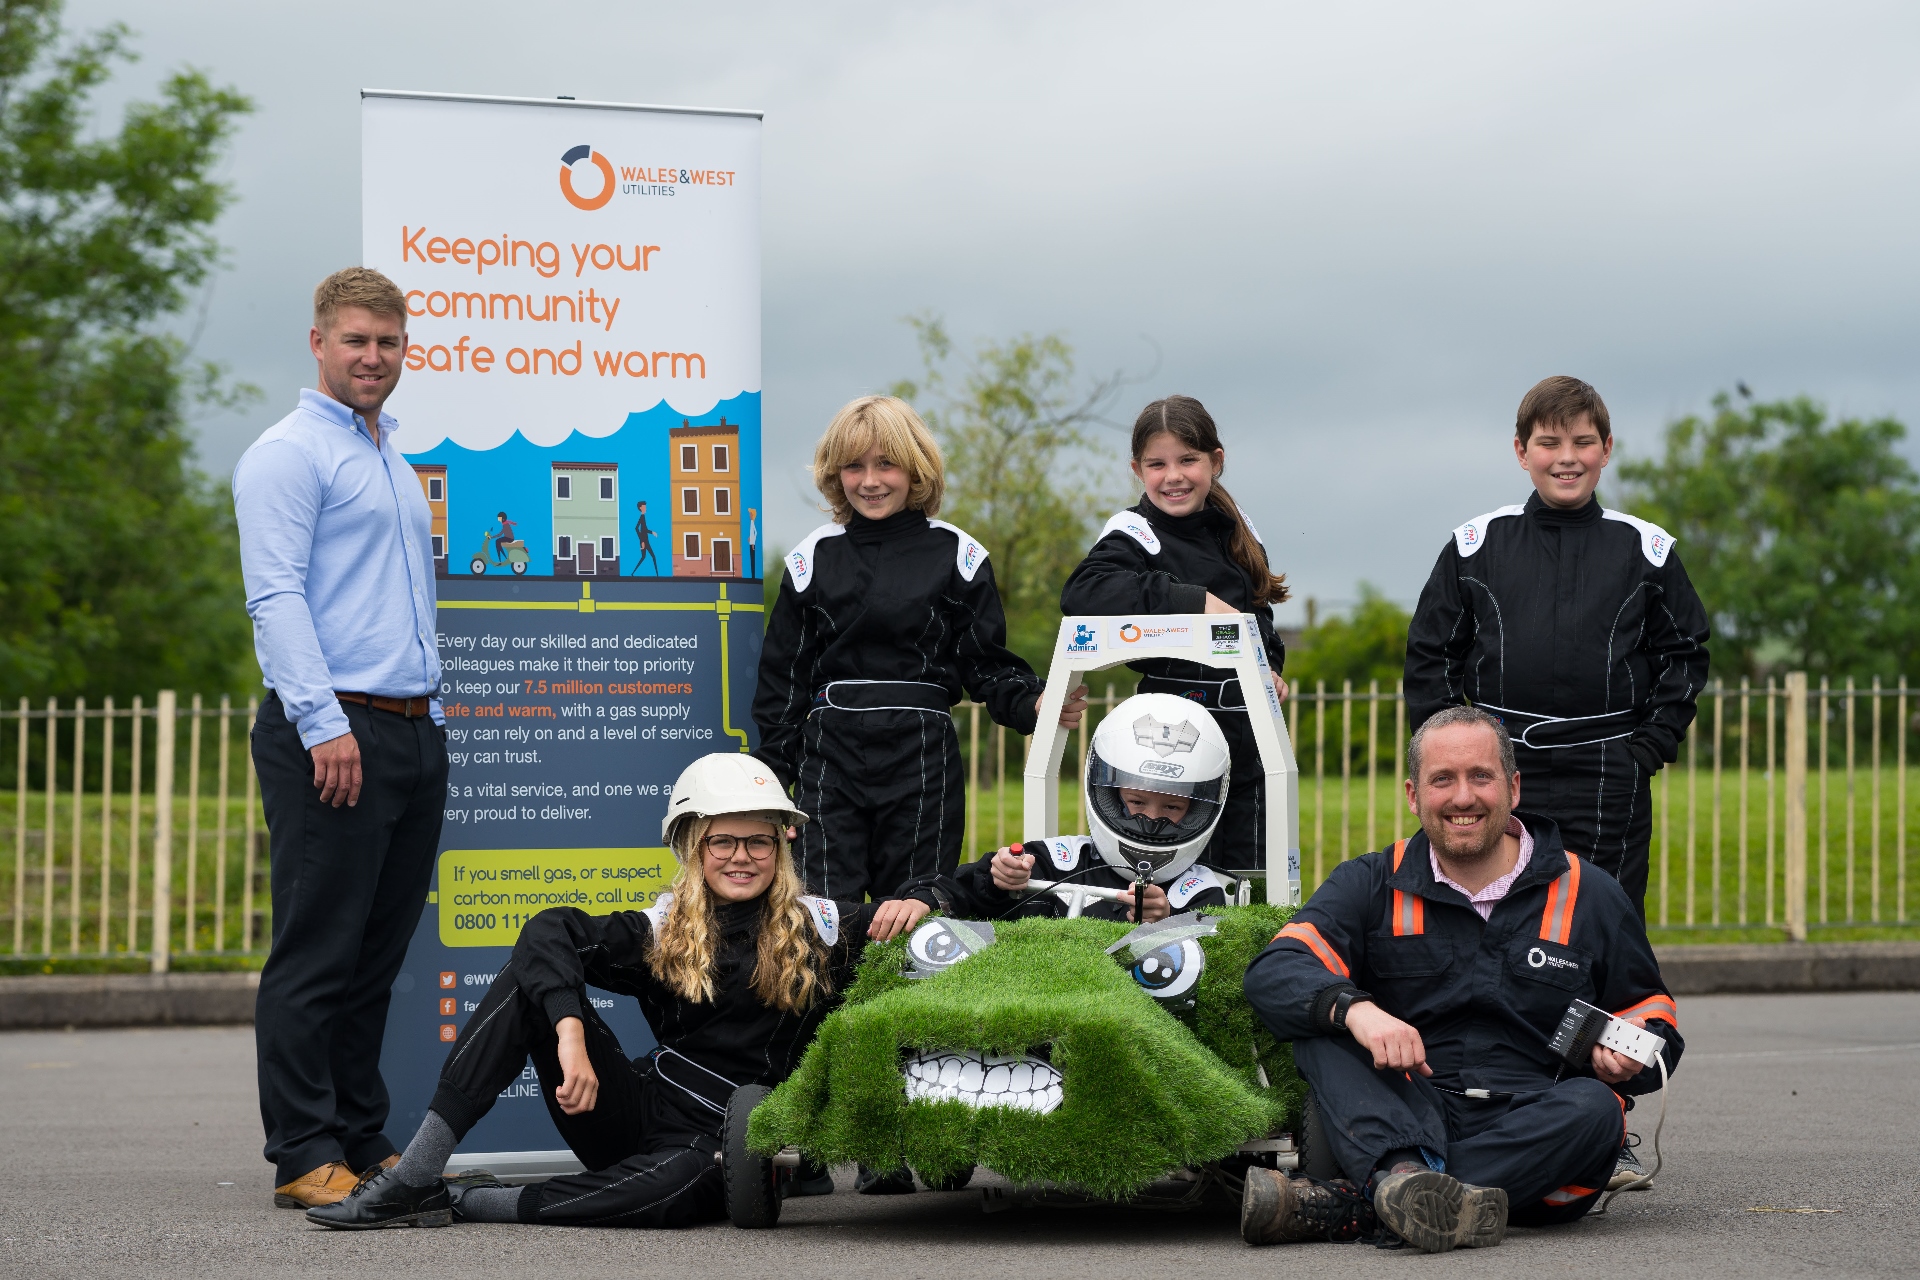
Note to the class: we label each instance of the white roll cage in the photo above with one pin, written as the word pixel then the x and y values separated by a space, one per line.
pixel 1090 643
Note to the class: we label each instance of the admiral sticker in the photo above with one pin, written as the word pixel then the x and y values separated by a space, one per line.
pixel 1084 639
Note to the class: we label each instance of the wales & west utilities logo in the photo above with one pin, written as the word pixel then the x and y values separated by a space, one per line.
pixel 608 184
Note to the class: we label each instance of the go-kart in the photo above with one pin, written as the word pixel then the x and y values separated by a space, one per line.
pixel 1083 1060
pixel 516 556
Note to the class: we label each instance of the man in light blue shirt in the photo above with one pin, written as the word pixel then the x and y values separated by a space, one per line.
pixel 350 746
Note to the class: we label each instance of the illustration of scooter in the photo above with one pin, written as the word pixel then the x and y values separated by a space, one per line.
pixel 516 551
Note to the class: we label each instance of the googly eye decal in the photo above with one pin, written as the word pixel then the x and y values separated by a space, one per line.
pixel 939 944
pixel 1169 974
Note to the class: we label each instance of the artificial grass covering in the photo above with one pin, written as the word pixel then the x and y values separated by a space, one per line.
pixel 1143 1093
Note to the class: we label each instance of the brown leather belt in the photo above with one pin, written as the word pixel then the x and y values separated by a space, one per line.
pixel 412 708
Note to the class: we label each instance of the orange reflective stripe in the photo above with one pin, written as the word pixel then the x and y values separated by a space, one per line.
pixel 1661 1007
pixel 1306 933
pixel 1556 921
pixel 1409 914
pixel 1399 852
pixel 1568 1194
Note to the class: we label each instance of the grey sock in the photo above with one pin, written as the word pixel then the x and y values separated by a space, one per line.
pixel 425 1158
pixel 491 1204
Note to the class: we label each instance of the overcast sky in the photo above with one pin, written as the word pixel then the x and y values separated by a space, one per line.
pixel 1358 232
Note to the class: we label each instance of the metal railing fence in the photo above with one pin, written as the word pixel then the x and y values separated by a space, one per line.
pixel 131 856
pixel 1788 805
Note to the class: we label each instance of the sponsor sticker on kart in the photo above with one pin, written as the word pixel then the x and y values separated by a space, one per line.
pixel 1226 639
pixel 1149 633
pixel 1085 639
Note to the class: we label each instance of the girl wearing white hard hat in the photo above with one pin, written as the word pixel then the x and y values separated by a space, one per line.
pixel 733 968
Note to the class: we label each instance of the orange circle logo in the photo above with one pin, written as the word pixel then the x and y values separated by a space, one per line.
pixel 607 183
pixel 1129 633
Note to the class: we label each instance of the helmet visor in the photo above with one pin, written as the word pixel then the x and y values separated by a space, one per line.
pixel 1154 813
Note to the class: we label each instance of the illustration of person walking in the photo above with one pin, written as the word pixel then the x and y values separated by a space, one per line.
pixel 644 536
pixel 753 549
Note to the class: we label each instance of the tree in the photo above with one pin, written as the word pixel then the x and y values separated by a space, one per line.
pixel 1021 466
pixel 1370 645
pixel 1801 534
pixel 120 571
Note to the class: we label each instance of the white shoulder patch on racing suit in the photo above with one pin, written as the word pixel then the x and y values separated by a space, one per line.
pixel 970 555
pixel 1065 851
pixel 1135 526
pixel 1656 544
pixel 1197 880
pixel 825 914
pixel 1472 535
pixel 657 913
pixel 800 559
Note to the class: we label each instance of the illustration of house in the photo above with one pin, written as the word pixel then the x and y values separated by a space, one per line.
pixel 704 468
pixel 433 479
pixel 586 520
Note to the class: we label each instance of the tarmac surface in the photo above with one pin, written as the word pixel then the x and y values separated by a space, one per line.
pixel 137 1153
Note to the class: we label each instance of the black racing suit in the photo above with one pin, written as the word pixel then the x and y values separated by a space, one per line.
pixel 1172 570
pixel 1486 998
pixel 1581 631
pixel 648 1144
pixel 879 628
pixel 1073 860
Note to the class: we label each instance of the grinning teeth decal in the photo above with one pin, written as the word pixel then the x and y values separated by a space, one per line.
pixel 982 1080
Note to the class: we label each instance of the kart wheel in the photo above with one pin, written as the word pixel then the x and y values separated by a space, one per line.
pixel 952 1182
pixel 520 567
pixel 477 565
pixel 1316 1157
pixel 753 1198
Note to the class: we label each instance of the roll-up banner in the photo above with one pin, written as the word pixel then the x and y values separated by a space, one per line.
pixel 581 405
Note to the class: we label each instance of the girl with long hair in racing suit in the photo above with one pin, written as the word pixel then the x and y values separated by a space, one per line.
pixel 733 968
pixel 1187 547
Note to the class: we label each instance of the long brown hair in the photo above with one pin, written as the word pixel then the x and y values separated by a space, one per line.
pixel 790 970
pixel 1187 420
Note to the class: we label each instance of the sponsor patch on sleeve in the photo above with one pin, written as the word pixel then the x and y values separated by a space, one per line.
pixel 657 913
pixel 1135 526
pixel 1471 536
pixel 825 914
pixel 1196 881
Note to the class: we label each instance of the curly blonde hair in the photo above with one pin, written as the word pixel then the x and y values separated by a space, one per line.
pixel 889 424
pixel 790 971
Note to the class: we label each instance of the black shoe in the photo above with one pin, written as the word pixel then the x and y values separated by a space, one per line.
pixel 1434 1212
pixel 472 1180
pixel 385 1201
pixel 811 1179
pixel 896 1182
pixel 1277 1209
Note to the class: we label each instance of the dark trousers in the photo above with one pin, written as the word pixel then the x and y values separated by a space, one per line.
pixel 887 797
pixel 348 887
pixel 1603 802
pixel 1551 1150
pixel 648 1144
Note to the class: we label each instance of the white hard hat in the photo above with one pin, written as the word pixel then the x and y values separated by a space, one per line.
pixel 728 782
pixel 1160 743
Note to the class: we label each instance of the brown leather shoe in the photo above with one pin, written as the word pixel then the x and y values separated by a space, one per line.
pixel 388 1163
pixel 329 1184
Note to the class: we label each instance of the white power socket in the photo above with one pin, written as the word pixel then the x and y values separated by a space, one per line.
pixel 1637 1043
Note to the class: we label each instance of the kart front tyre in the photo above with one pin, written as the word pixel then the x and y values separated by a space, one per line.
pixel 1316 1156
pixel 753 1198
pixel 952 1182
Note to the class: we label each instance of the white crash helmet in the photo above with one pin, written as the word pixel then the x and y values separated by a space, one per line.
pixel 728 782
pixel 1155 742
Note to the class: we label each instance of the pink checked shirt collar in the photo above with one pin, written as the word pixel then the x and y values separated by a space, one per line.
pixel 1483 901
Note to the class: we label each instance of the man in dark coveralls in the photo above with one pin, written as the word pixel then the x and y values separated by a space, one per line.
pixel 1577 627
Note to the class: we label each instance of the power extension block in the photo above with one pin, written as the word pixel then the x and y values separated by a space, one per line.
pixel 1584 1026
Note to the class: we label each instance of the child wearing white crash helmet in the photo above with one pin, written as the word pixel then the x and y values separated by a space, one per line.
pixel 733 969
pixel 1157 779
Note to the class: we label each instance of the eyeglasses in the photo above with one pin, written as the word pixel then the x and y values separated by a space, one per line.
pixel 759 848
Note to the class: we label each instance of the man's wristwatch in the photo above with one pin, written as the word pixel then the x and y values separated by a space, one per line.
pixel 1343 1002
